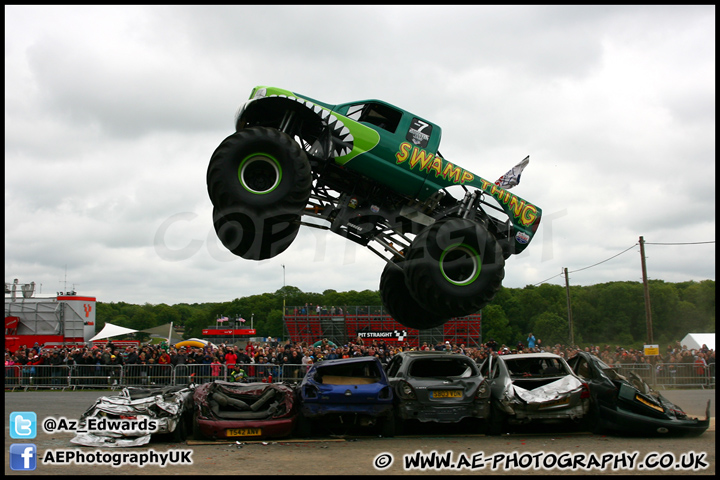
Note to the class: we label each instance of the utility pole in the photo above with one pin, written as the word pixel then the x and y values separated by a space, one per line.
pixel 283 265
pixel 569 307
pixel 648 314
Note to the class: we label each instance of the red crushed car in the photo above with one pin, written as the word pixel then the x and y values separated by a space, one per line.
pixel 244 410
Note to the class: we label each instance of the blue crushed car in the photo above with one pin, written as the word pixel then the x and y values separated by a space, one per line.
pixel 345 394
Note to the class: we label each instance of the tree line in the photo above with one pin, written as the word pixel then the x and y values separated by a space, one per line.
pixel 607 313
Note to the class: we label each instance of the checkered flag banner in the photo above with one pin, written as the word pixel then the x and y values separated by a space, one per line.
pixel 512 177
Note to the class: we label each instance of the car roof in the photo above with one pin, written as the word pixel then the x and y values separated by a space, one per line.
pixel 346 360
pixel 513 356
pixel 421 353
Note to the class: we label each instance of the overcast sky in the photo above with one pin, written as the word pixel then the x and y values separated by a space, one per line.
pixel 112 114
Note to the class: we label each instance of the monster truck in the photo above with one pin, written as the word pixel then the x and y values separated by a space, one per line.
pixel 372 173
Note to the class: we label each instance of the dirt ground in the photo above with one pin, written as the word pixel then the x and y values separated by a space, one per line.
pixel 371 454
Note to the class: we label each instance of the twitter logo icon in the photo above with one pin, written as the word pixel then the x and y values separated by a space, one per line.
pixel 23 425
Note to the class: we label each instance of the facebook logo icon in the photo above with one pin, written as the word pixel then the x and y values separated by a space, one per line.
pixel 23 425
pixel 23 456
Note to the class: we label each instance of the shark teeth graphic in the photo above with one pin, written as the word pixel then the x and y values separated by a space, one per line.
pixel 344 140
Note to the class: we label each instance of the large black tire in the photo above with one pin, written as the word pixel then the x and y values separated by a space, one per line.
pixel 254 237
pixel 400 304
pixel 262 170
pixel 454 267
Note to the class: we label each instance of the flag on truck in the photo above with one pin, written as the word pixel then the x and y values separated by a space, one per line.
pixel 512 177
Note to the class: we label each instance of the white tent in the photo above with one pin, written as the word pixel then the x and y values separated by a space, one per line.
pixel 163 331
pixel 696 340
pixel 110 330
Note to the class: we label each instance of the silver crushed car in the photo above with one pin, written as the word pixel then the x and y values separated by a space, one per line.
pixel 130 418
pixel 437 386
pixel 533 387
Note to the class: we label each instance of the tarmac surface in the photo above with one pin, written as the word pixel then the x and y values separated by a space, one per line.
pixel 365 455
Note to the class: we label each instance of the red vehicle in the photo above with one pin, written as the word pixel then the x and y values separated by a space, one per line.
pixel 244 410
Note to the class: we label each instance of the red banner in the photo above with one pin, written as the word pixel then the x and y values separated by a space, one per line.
pixel 228 331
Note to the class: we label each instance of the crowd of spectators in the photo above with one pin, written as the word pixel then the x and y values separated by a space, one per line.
pixel 262 360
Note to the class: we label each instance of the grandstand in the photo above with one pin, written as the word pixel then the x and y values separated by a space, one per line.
pixel 305 324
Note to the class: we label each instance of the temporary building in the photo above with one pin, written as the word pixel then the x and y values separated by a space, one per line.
pixel 110 330
pixel 696 340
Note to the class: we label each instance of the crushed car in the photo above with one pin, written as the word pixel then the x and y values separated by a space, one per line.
pixel 345 394
pixel 132 417
pixel 437 386
pixel 533 387
pixel 226 410
pixel 627 405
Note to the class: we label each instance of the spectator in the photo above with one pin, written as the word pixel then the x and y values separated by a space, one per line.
pixel 215 368
pixel 162 365
pixel 113 369
pixel 230 360
pixel 57 368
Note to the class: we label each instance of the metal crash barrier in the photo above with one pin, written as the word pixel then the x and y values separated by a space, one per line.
pixel 667 376
pixel 663 377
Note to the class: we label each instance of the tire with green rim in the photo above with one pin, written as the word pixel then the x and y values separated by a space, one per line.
pixel 454 267
pixel 262 170
pixel 400 304
pixel 252 236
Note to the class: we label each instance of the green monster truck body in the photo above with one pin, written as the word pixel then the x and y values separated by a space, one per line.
pixel 372 173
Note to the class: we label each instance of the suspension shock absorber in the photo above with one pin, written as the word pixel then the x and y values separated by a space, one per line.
pixel 468 206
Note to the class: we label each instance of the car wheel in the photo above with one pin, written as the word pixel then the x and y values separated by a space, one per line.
pixel 496 421
pixel 399 303
pixel 180 433
pixel 303 427
pixel 262 169
pixel 196 432
pixel 254 237
pixel 454 267
pixel 388 427
pixel 591 421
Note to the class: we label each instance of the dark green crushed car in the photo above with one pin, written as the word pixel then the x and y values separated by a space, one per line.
pixel 371 172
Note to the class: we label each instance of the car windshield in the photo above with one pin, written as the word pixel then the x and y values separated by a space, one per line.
pixel 442 367
pixel 609 371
